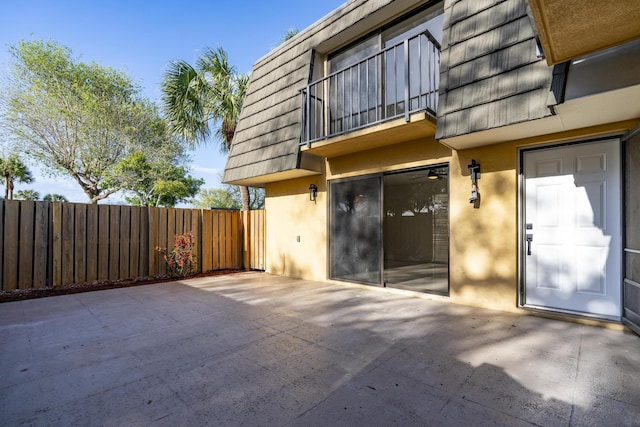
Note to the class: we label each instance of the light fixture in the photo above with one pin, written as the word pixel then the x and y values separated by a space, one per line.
pixel 433 175
pixel 313 192
pixel 474 173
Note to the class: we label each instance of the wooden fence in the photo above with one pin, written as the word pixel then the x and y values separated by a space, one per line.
pixel 46 243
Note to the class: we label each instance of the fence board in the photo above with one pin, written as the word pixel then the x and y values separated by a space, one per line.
pixel 68 241
pixel 25 239
pixel 80 247
pixel 153 241
pixel 41 253
pixel 125 233
pixel 236 241
pixel 114 242
pixel 225 249
pixel 134 243
pixel 218 236
pixel 262 241
pixel 163 240
pixel 63 243
pixel 171 228
pixel 207 244
pixel 197 237
pixel 92 243
pixel 11 223
pixel 229 244
pixel 179 222
pixel 144 242
pixel 254 225
pixel 104 212
pixel 57 243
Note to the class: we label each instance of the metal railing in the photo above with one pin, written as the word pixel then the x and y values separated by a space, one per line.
pixel 392 83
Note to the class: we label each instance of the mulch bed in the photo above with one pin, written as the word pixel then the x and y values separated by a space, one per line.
pixel 24 294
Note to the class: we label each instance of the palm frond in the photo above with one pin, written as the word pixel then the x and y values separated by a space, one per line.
pixel 209 95
pixel 184 100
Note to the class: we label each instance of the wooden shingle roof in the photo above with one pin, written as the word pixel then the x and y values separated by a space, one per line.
pixel 266 143
pixel 490 75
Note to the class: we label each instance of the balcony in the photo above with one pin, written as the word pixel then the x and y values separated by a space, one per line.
pixel 393 92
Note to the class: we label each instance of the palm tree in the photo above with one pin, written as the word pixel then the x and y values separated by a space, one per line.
pixel 291 33
pixel 54 198
pixel 13 170
pixel 203 98
pixel 32 195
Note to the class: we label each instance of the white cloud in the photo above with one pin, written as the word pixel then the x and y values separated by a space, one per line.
pixel 202 169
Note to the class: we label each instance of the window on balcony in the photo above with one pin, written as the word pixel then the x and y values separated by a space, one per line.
pixel 391 73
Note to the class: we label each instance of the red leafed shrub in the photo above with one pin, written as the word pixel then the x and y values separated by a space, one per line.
pixel 181 261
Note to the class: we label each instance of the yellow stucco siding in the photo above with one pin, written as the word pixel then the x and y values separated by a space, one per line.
pixel 412 154
pixel 483 250
pixel 290 214
pixel 483 266
pixel 483 241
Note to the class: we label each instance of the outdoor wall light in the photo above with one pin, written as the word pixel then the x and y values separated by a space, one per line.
pixel 474 173
pixel 313 192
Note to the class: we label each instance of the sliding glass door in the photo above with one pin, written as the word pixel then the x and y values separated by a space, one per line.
pixel 392 230
pixel 355 230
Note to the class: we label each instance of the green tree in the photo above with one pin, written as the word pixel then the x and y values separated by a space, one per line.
pixel 205 98
pixel 228 197
pixel 54 198
pixel 256 195
pixel 13 170
pixel 157 173
pixel 27 195
pixel 155 181
pixel 74 118
pixel 215 198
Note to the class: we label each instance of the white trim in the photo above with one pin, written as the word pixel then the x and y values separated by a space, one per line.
pixel 531 307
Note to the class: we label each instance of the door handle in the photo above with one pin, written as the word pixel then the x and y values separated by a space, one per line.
pixel 529 240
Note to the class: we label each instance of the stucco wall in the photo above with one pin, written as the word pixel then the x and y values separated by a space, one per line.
pixel 290 214
pixel 483 241
pixel 483 244
pixel 483 265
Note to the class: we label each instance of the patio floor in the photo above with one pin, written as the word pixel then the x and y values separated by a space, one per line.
pixel 254 349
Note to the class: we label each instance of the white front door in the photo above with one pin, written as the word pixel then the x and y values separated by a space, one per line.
pixel 571 236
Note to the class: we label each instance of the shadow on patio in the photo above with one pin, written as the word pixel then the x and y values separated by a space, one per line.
pixel 256 349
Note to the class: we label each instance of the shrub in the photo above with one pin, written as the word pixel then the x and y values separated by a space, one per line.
pixel 181 261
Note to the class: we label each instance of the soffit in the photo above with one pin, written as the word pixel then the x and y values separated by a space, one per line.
pixel 262 180
pixel 570 29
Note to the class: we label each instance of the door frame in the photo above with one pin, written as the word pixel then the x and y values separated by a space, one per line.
pixel 521 294
pixel 380 176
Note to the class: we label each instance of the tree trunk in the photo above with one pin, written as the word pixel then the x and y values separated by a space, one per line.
pixel 244 194
pixel 7 181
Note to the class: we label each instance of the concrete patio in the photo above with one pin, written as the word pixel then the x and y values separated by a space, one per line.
pixel 259 350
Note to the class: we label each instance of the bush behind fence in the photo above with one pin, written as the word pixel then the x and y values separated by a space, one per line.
pixel 53 243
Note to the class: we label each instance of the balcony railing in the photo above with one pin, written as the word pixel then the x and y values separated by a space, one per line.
pixel 398 81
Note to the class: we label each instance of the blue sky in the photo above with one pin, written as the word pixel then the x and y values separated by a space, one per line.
pixel 141 37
